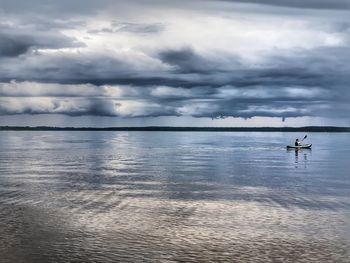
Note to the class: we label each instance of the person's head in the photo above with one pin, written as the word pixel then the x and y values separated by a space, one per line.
pixel 297 140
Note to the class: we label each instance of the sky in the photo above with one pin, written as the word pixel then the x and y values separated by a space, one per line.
pixel 104 63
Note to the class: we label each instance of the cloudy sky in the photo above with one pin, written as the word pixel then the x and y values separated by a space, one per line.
pixel 183 63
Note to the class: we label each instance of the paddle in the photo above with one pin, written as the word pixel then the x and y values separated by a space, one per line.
pixel 304 137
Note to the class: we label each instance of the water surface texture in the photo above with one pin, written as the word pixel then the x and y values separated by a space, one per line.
pixel 173 197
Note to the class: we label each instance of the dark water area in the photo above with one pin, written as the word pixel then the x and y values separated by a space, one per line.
pixel 173 197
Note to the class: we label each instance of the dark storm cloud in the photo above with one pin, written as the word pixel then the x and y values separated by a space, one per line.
pixel 60 8
pixel 77 68
pixel 325 67
pixel 98 107
pixel 15 45
pixel 97 69
pixel 16 41
pixel 228 101
pixel 69 107
pixel 12 47
pixel 163 79
pixel 318 67
pixel 322 67
pixel 313 4
pixel 67 7
pixel 155 101
pixel 185 60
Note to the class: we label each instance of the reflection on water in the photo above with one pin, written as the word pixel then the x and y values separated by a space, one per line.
pixel 301 157
pixel 173 197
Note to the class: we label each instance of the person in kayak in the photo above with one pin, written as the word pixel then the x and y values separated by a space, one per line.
pixel 297 142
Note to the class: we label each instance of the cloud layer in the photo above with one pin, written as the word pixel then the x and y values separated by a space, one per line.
pixel 203 59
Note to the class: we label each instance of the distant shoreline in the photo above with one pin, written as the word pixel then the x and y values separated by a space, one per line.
pixel 183 129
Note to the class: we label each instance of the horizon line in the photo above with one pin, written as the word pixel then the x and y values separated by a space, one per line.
pixel 179 128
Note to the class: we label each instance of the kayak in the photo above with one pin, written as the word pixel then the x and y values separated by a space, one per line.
pixel 304 146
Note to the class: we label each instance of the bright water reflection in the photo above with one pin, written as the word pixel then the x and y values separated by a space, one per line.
pixel 170 197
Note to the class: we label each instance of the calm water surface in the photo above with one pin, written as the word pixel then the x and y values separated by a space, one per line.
pixel 173 197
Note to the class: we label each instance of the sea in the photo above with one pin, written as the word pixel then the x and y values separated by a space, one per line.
pixel 136 196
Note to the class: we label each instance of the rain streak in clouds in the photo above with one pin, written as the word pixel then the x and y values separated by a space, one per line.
pixel 212 59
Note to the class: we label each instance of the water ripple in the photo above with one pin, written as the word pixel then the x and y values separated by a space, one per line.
pixel 171 197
